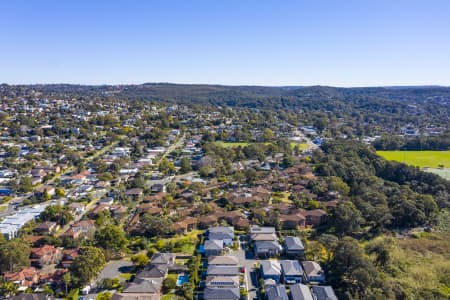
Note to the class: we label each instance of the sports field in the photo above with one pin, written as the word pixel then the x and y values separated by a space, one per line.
pixel 423 159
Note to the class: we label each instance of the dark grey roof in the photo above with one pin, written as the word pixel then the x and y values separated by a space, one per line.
pixel 276 292
pixel 291 268
pixel 267 245
pixel 221 294
pixel 144 286
pixel 222 270
pixel 213 245
pixel 262 230
pixel 153 271
pixel 324 293
pixel 162 258
pixel 221 233
pixel 300 292
pixel 293 243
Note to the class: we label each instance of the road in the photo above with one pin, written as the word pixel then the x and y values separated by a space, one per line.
pixel 247 260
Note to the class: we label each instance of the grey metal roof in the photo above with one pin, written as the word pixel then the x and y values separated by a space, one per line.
pixel 162 258
pixel 291 268
pixel 300 292
pixel 270 267
pixel 324 293
pixel 153 271
pixel 221 233
pixel 222 270
pixel 276 292
pixel 144 286
pixel 293 243
pixel 221 294
pixel 213 245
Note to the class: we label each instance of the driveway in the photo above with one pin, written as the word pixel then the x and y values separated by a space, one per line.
pixel 114 268
pixel 248 261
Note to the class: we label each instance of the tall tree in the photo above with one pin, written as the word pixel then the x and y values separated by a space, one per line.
pixel 14 254
pixel 87 266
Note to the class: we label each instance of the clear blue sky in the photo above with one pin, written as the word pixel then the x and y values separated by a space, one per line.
pixel 340 42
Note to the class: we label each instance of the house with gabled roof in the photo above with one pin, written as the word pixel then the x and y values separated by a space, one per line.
pixel 300 292
pixel 222 281
pixel 270 269
pixel 153 271
pixel 224 233
pixel 313 271
pixel 186 225
pixel 292 271
pixel 162 258
pixel 141 289
pixel 213 247
pixel 323 293
pixel 221 294
pixel 276 292
pixel 293 246
pixel 225 260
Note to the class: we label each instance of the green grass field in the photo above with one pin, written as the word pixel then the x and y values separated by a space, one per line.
pixel 423 159
pixel 231 144
pixel 302 146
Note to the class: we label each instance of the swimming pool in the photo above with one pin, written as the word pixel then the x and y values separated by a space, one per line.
pixel 182 278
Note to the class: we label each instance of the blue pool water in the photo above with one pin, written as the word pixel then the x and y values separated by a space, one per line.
pixel 182 278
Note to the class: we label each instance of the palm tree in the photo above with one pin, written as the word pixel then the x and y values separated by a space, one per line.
pixel 67 279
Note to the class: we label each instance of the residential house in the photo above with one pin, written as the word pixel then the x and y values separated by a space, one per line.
pixel 77 208
pixel 47 227
pixel 141 290
pixel 153 271
pixel 221 294
pixel 207 221
pixel 267 248
pixel 276 292
pixel 227 260
pixel 300 292
pixel 292 271
pixel 214 270
pixel 313 271
pixel 292 221
pixel 226 234
pixel 44 190
pixel 45 255
pixel 315 217
pixel 163 259
pixel 68 257
pixel 213 247
pixel 323 293
pixel 34 296
pixel 186 225
pixel 293 246
pixel 26 277
pixel 265 241
pixel 80 229
pixel 158 188
pixel 135 193
pixel 222 282
pixel 270 269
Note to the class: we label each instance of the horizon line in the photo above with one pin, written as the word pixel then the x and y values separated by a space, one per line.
pixel 232 85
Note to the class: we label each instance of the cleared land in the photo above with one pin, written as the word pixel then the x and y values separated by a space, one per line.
pixel 423 159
